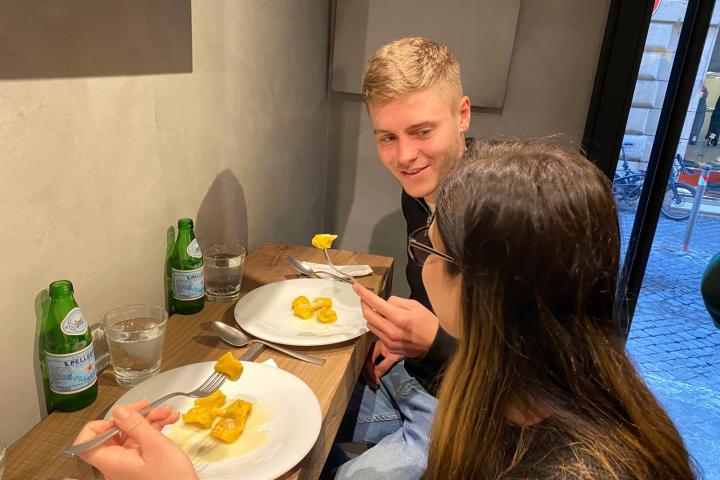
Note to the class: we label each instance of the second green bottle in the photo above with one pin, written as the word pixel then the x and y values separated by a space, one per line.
pixel 188 280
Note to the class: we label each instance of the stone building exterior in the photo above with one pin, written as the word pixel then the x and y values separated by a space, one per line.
pixel 651 86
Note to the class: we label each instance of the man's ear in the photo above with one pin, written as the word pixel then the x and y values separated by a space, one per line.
pixel 464 114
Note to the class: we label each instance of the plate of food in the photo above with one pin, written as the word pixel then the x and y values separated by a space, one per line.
pixel 256 428
pixel 302 312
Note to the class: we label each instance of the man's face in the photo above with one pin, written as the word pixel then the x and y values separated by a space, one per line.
pixel 419 138
pixel 444 290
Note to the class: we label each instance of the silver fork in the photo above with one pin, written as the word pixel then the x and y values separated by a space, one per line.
pixel 305 269
pixel 349 278
pixel 336 277
pixel 207 388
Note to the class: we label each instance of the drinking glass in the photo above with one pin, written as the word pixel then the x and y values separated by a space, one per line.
pixel 100 345
pixel 223 264
pixel 135 335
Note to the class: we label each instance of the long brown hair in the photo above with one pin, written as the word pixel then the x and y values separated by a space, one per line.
pixel 533 227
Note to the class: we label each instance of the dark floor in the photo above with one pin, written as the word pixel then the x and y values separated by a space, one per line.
pixel 673 340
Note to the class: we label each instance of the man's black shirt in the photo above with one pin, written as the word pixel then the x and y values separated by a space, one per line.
pixel 428 369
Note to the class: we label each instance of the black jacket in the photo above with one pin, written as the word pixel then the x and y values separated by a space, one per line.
pixel 714 126
pixel 428 370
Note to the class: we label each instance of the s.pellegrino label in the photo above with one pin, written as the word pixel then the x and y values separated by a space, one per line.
pixel 74 323
pixel 188 284
pixel 194 249
pixel 72 372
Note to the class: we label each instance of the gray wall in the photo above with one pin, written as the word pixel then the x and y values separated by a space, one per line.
pixel 551 77
pixel 214 109
pixel 104 149
pixel 363 26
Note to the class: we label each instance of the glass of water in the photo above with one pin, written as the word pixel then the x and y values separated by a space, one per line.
pixel 135 336
pixel 223 263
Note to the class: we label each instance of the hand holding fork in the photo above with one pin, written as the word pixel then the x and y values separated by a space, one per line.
pixel 142 451
pixel 349 278
pixel 207 388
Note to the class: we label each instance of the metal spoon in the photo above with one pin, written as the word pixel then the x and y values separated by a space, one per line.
pixel 301 267
pixel 236 338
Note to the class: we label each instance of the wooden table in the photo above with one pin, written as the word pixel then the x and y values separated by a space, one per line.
pixel 190 339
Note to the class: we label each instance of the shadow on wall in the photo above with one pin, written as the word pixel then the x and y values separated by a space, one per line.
pixel 222 216
pixel 167 276
pixel 42 307
pixel 342 136
pixel 389 239
pixel 89 38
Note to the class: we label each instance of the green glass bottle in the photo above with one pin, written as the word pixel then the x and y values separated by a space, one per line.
pixel 188 281
pixel 68 351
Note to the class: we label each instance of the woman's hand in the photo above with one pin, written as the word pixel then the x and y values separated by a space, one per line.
pixel 142 453
pixel 373 370
pixel 405 327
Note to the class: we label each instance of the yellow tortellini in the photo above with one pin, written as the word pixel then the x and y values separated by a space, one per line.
pixel 321 307
pixel 202 417
pixel 327 315
pixel 321 302
pixel 230 366
pixel 216 400
pixel 234 417
pixel 323 240
pixel 206 410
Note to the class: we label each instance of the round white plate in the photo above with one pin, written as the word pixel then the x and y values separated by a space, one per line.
pixel 286 425
pixel 266 313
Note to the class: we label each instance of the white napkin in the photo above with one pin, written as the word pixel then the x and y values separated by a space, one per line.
pixel 352 270
pixel 270 362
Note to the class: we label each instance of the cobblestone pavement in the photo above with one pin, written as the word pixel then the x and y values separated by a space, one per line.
pixel 673 340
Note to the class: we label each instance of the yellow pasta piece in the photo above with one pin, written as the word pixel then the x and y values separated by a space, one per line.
pixel 238 410
pixel 303 311
pixel 230 366
pixel 216 400
pixel 323 240
pixel 301 300
pixel 326 315
pixel 232 421
pixel 200 416
pixel 321 302
pixel 228 429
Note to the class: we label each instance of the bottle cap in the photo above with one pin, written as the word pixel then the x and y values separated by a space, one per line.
pixel 60 287
pixel 185 223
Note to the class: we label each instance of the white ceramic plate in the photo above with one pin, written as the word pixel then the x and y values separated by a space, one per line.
pixel 266 313
pixel 281 430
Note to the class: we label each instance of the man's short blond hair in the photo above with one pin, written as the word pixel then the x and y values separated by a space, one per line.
pixel 409 64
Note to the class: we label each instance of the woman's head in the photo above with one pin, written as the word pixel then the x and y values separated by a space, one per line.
pixel 535 223
pixel 531 227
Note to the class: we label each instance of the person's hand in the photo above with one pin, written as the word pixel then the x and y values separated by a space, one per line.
pixel 372 373
pixel 404 326
pixel 143 453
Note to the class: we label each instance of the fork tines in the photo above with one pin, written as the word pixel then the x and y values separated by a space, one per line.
pixel 213 383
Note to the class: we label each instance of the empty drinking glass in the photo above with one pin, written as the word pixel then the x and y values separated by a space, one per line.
pixel 223 264
pixel 135 335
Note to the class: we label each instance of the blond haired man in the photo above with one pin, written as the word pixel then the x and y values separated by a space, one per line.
pixel 414 98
